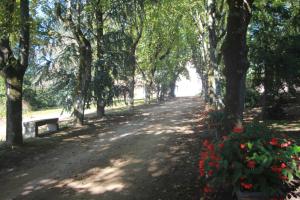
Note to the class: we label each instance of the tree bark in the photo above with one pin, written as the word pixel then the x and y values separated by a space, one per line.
pixel 147 93
pixel 235 59
pixel 138 27
pixel 213 71
pixel 131 92
pixel 13 71
pixel 268 85
pixel 100 63
pixel 100 108
pixel 211 86
pixel 14 109
pixel 204 80
pixel 84 79
pixel 131 82
pixel 172 89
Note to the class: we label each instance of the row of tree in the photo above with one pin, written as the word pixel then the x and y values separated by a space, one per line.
pixel 90 52
pixel 225 32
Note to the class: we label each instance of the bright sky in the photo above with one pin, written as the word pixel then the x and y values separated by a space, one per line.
pixel 189 87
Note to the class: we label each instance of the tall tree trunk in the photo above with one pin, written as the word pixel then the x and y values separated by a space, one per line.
pixel 131 85
pixel 147 93
pixel 158 90
pixel 212 57
pixel 213 71
pixel 211 86
pixel 13 71
pixel 172 89
pixel 235 59
pixel 205 87
pixel 85 60
pixel 136 34
pixel 14 109
pixel 268 85
pixel 131 82
pixel 100 64
pixel 100 108
pixel 84 79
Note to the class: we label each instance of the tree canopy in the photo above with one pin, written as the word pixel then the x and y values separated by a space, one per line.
pixel 76 54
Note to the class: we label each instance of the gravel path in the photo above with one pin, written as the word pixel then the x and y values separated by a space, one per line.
pixel 149 156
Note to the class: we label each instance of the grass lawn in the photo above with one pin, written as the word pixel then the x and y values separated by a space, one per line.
pixel 118 106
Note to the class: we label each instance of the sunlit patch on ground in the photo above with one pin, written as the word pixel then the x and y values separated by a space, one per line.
pixel 99 180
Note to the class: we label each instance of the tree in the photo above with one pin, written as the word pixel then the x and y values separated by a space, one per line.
pixel 216 32
pixel 12 68
pixel 209 22
pixel 235 59
pixel 73 23
pixel 161 37
pixel 274 43
pixel 103 82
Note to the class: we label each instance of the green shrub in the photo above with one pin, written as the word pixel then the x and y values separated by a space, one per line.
pixel 254 159
pixel 216 117
pixel 252 98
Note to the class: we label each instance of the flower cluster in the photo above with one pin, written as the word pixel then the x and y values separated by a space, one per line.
pixel 250 159
pixel 209 156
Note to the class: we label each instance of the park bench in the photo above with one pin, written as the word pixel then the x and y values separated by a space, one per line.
pixel 33 126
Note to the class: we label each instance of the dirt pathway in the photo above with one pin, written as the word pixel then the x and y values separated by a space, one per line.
pixel 149 156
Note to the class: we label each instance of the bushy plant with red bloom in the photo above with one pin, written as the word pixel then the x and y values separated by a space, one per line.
pixel 255 159
pixel 238 129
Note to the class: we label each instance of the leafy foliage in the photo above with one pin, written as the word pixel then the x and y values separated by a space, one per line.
pixel 274 48
pixel 252 160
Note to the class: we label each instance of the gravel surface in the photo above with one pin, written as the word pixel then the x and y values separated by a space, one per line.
pixel 151 155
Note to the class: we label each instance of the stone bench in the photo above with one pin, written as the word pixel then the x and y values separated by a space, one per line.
pixel 32 127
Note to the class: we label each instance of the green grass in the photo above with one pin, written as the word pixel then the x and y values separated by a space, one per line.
pixel 117 106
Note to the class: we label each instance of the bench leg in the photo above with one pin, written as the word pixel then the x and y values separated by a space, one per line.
pixel 36 130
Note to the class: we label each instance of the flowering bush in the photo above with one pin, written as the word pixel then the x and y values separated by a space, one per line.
pixel 250 160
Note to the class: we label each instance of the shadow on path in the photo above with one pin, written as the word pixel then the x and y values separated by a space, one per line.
pixel 150 155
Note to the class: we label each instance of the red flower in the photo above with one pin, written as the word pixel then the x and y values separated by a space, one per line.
pixel 285 144
pixel 242 146
pixel 205 143
pixel 221 145
pixel 274 141
pixel 210 172
pixel 201 167
pixel 207 189
pixel 215 157
pixel 225 137
pixel 251 164
pixel 276 169
pixel 238 129
pixel 242 178
pixel 283 165
pixel 284 178
pixel 214 164
pixel 247 186
pixel 211 147
pixel 203 155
